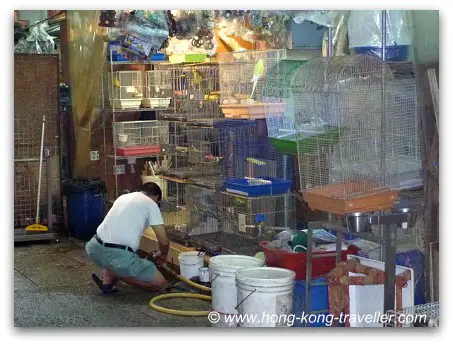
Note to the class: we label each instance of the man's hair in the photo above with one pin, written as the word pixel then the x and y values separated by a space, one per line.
pixel 151 189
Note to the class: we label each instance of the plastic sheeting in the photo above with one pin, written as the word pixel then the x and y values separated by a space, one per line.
pixel 365 28
pixel 86 51
pixel 38 42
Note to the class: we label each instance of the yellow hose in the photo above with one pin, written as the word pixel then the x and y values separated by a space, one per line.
pixel 153 301
pixel 179 312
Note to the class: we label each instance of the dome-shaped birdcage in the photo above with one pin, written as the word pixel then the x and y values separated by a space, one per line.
pixel 353 136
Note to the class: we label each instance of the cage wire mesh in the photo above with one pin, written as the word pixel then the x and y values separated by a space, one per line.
pixel 125 89
pixel 174 212
pixel 158 89
pixel 237 71
pixel 355 126
pixel 204 157
pixel 26 179
pixel 140 133
pixel 195 91
pixel 423 315
pixel 256 218
pixel 212 229
pixel 245 139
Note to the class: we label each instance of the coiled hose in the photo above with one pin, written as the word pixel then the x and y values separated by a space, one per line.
pixel 153 301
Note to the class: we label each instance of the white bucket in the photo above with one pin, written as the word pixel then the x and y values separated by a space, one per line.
pixel 159 181
pixel 223 282
pixel 266 294
pixel 190 264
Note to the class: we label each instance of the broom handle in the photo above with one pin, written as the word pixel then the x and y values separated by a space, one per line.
pixel 40 168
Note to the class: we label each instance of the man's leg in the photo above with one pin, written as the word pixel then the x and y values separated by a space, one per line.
pixel 156 284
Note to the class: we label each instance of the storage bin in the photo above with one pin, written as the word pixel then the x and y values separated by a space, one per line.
pixel 297 261
pixel 319 303
pixel 253 187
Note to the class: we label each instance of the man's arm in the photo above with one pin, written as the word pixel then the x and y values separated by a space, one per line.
pixel 162 238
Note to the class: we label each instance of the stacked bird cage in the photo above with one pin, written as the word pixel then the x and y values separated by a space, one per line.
pixel 173 207
pixel 257 217
pixel 227 223
pixel 195 92
pixel 281 127
pixel 251 165
pixel 357 133
pixel 125 89
pixel 242 77
pixel 203 154
pixel 203 208
pixel 135 138
pixel 159 90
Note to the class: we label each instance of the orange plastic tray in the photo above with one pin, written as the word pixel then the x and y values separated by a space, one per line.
pixel 332 198
pixel 252 111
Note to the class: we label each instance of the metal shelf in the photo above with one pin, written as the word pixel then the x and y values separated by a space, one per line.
pixel 119 158
pixel 134 110
pixel 20 235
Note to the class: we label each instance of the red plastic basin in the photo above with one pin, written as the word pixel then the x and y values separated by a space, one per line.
pixel 297 261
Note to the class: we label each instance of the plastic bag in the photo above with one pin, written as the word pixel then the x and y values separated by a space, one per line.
pixel 38 42
pixel 324 18
pixel 146 31
pixel 365 34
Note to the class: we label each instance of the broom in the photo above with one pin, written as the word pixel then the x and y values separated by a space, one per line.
pixel 37 226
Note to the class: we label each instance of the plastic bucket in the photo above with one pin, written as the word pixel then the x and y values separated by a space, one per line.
pixel 265 296
pixel 190 264
pixel 223 282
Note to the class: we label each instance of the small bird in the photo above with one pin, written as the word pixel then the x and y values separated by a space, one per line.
pixel 116 82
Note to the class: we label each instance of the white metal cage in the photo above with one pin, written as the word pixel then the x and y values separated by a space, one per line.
pixel 125 89
pixel 355 126
pixel 242 78
pixel 140 133
pixel 158 90
pixel 195 91
pixel 424 315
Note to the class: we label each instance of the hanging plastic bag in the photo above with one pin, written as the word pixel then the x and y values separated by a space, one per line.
pixel 324 18
pixel 365 34
pixel 146 31
pixel 38 42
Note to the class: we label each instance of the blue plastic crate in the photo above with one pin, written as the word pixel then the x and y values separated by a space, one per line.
pixel 395 53
pixel 158 57
pixel 319 302
pixel 243 187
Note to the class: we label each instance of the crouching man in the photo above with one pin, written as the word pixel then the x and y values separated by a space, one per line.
pixel 117 239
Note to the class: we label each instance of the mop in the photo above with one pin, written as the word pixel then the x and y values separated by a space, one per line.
pixel 37 226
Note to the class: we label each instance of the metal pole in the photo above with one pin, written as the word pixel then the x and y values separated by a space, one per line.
pixel 329 41
pixel 308 272
pixel 49 193
pixel 383 121
pixel 390 267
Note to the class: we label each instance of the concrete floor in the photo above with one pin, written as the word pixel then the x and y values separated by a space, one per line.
pixel 53 288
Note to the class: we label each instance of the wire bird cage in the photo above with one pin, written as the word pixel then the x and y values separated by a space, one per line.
pixel 423 315
pixel 230 223
pixel 195 91
pixel 257 216
pixel 355 128
pixel 248 158
pixel 204 157
pixel 242 77
pixel 158 90
pixel 140 137
pixel 125 89
pixel 174 211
